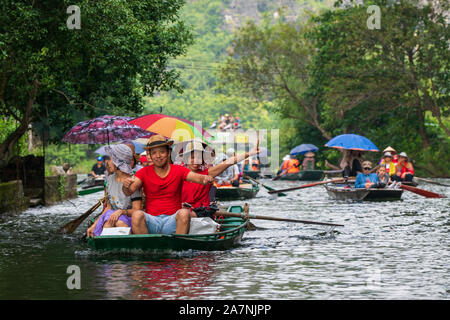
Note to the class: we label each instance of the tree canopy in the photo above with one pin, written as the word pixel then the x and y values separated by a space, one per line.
pixel 53 76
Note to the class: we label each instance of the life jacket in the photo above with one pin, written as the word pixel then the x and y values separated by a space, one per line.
pixel 255 165
pixel 293 166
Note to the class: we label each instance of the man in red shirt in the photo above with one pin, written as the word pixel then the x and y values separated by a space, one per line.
pixel 162 184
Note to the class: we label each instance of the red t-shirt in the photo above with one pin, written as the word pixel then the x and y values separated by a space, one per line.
pixel 196 194
pixel 162 196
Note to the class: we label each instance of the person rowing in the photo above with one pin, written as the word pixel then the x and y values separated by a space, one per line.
pixel 162 184
pixel 197 195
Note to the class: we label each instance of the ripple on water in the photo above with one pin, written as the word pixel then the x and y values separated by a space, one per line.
pixel 386 250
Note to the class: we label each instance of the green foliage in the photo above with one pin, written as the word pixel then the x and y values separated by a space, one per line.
pixel 333 75
pixel 55 77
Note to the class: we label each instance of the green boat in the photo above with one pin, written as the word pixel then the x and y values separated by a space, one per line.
pixel 84 192
pixel 304 175
pixel 244 191
pixel 252 174
pixel 231 231
pixel 92 186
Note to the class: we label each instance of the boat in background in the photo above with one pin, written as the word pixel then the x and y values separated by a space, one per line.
pixel 347 191
pixel 244 191
pixel 304 175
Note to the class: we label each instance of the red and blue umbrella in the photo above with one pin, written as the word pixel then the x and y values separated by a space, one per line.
pixel 103 130
pixel 352 142
pixel 303 148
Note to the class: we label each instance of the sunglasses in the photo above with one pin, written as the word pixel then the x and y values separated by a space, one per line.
pixel 367 168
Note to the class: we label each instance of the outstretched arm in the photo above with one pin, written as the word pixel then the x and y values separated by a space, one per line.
pixel 221 167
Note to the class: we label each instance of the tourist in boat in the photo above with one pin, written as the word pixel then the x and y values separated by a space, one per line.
pixel 255 164
pixel 388 163
pixel 383 177
pixel 290 165
pixel 405 169
pixel 197 195
pixel 98 169
pixel 119 207
pixel 351 163
pixel 393 152
pixel 366 179
pixel 308 161
pixel 230 176
pixel 162 184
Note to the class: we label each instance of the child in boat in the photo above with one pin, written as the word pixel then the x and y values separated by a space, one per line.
pixel 383 177
pixel 119 207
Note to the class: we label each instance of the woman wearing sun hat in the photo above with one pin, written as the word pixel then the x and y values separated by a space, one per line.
pixel 388 163
pixel 405 169
pixel 308 161
pixel 194 157
pixel 119 207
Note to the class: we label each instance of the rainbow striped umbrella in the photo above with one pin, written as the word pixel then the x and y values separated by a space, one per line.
pixel 172 127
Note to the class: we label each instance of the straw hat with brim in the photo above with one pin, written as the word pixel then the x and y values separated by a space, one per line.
pixel 403 154
pixel 193 146
pixel 157 141
pixel 389 149
pixel 309 154
pixel 387 154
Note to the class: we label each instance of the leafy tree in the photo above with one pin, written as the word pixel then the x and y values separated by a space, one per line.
pixel 53 76
pixel 390 84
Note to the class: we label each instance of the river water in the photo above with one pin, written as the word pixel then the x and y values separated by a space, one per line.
pixel 386 250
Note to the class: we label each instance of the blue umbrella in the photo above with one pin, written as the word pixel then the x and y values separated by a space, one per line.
pixel 303 148
pixel 352 142
pixel 138 147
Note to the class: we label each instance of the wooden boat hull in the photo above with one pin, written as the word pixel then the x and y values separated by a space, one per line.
pixel 339 192
pixel 304 175
pixel 236 193
pixel 230 235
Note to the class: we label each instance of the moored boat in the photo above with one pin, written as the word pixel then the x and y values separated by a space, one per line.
pixel 304 175
pixel 347 192
pixel 230 234
pixel 244 191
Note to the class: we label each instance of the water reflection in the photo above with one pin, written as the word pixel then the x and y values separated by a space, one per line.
pixel 386 250
pixel 173 278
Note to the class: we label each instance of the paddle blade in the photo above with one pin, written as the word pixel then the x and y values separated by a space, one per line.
pixel 422 192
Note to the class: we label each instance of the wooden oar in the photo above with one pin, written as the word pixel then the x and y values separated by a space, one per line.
pixel 280 194
pixel 432 182
pixel 253 216
pixel 422 192
pixel 309 185
pixel 72 225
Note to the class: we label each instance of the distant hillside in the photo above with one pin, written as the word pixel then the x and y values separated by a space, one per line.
pixel 213 23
